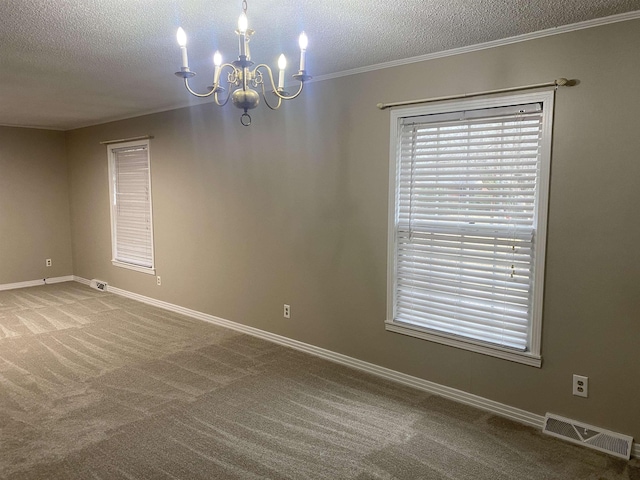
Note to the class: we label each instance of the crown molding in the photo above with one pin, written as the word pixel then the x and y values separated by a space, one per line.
pixel 597 22
pixel 33 127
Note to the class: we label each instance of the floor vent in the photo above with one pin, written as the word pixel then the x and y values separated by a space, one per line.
pixel 588 436
pixel 98 285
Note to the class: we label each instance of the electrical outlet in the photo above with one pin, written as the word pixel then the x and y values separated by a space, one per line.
pixel 158 280
pixel 48 262
pixel 580 386
pixel 287 311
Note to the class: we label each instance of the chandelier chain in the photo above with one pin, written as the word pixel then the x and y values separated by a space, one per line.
pixel 244 6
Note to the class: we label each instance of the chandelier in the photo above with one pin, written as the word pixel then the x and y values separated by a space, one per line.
pixel 242 82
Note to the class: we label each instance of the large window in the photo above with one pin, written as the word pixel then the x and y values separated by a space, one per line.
pixel 131 213
pixel 469 193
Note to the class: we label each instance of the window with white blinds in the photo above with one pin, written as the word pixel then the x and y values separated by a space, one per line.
pixel 469 223
pixel 131 213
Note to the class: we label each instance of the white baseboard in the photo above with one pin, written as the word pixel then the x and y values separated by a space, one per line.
pixel 491 406
pixel 35 283
pixel 81 280
pixel 68 278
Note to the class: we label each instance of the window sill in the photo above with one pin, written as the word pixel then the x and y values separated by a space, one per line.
pixel 525 358
pixel 137 268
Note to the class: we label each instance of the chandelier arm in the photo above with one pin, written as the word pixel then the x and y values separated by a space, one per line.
pixel 217 89
pixel 218 102
pixel 273 85
pixel 234 70
pixel 214 91
pixel 201 95
pixel 264 96
pixel 268 69
pixel 291 97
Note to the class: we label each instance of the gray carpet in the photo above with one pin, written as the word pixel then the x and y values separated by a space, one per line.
pixel 96 386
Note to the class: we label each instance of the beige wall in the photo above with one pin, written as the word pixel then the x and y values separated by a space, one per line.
pixel 34 205
pixel 294 210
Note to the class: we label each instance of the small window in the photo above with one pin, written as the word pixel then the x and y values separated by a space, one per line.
pixel 131 212
pixel 469 194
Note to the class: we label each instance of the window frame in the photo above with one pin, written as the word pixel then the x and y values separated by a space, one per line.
pixel 533 355
pixel 111 154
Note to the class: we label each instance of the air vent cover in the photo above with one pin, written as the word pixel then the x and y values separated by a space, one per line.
pixel 588 435
pixel 98 285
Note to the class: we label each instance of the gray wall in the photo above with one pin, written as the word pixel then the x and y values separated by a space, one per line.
pixel 294 210
pixel 34 205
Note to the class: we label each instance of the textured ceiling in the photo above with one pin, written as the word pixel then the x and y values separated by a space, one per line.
pixel 70 63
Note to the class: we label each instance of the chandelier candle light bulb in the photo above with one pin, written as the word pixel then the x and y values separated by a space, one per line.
pixel 243 23
pixel 217 61
pixel 182 41
pixel 282 64
pixel 303 41
pixel 245 82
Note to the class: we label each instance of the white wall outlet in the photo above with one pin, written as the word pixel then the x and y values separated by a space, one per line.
pixel 287 311
pixel 158 280
pixel 580 386
pixel 48 262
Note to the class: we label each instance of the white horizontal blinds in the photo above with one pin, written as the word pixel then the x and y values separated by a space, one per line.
pixel 132 206
pixel 466 213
